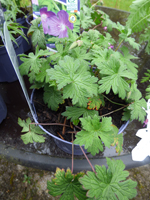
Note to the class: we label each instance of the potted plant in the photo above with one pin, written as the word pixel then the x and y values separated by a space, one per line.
pixel 16 11
pixel 7 72
pixel 77 79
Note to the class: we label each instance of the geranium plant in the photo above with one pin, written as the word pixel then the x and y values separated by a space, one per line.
pixel 76 79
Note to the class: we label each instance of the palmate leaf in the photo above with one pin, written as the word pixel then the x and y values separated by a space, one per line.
pixel 115 78
pixel 72 76
pixel 139 15
pixel 109 183
pixel 101 56
pixel 34 133
pixel 137 111
pixel 75 112
pixel 95 102
pixel 52 97
pixel 94 133
pixel 61 52
pixel 137 102
pixel 32 61
pixel 126 59
pixel 42 75
pixel 66 185
pixel 37 33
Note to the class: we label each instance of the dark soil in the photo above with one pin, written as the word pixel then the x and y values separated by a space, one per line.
pixel 46 115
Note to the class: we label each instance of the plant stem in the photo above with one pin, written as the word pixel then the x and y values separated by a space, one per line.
pixel 119 45
pixel 95 4
pixel 114 111
pixel 55 5
pixel 88 160
pixel 97 26
pixel 113 101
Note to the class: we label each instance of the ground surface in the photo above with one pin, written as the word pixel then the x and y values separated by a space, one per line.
pixel 14 185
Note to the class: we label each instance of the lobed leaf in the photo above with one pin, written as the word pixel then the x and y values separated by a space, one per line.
pixel 34 133
pixel 67 185
pixel 94 133
pixel 109 183
pixel 52 97
pixel 75 112
pixel 72 76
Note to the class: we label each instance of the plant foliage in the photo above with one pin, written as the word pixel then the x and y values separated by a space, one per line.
pixel 67 185
pixel 109 183
pixel 95 132
pixel 33 133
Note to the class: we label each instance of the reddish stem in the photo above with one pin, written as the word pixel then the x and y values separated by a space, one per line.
pixel 88 160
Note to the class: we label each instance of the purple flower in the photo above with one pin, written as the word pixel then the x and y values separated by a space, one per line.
pixel 35 2
pixel 44 17
pixel 105 28
pixel 55 25
pixel 111 46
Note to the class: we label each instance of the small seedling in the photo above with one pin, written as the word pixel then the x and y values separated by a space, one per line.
pixel 26 179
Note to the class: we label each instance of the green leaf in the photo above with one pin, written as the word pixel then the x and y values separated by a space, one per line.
pixel 37 33
pixel 52 97
pixel 139 15
pixel 66 185
pixel 96 102
pixel 115 78
pixel 109 183
pixel 42 75
pixel 72 76
pixel 136 109
pixel 32 62
pixel 126 59
pixel 94 133
pixel 75 112
pixel 147 92
pixel 34 133
pixel 147 76
pixel 61 52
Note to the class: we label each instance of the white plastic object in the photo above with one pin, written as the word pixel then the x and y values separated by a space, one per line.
pixel 142 150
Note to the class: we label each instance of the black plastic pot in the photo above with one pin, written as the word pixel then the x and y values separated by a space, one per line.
pixel 26 45
pixel 3 109
pixel 7 72
pixel 62 144
pixel 28 19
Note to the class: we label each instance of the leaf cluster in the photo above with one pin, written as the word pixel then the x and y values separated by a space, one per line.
pixel 111 183
pixel 84 68
pixel 12 9
pixel 32 134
